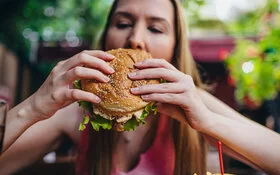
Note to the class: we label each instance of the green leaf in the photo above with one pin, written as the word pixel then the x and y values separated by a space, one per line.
pixel 83 124
pixel 77 84
pixel 86 105
pixel 99 121
pixel 131 124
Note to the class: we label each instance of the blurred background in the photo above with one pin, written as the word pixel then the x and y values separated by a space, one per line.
pixel 236 44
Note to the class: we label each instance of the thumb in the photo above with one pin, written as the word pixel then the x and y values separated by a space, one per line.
pixel 173 111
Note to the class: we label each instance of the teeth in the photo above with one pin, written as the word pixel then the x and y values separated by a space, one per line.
pixel 124 119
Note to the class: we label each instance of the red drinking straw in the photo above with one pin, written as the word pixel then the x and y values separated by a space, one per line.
pixel 219 143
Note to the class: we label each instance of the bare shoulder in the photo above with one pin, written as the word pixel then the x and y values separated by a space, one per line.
pixel 68 119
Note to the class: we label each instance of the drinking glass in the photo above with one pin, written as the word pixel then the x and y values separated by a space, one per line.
pixel 3 113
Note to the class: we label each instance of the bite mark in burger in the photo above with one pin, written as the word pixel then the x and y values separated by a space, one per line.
pixel 119 108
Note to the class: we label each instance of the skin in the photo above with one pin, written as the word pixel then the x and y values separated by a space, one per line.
pixel 146 25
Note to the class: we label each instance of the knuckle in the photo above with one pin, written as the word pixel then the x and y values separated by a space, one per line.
pixel 56 68
pixel 82 57
pixel 84 52
pixel 77 71
pixel 59 63
pixel 189 78
pixel 53 72
pixel 74 94
pixel 55 96
pixel 168 97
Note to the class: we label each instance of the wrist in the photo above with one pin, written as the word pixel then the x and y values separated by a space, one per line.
pixel 209 122
pixel 32 110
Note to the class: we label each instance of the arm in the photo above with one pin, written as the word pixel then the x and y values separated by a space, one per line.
pixel 56 92
pixel 18 120
pixel 253 141
pixel 179 98
pixel 42 137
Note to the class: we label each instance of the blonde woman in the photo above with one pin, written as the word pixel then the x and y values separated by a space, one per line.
pixel 187 113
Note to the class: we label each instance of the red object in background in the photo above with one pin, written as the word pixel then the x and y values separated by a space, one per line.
pixel 250 103
pixel 206 53
pixel 230 81
pixel 219 143
pixel 223 54
pixel 209 50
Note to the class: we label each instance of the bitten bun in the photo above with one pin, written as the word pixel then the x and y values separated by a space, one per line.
pixel 117 102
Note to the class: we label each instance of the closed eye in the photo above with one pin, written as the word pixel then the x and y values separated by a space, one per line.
pixel 123 25
pixel 155 30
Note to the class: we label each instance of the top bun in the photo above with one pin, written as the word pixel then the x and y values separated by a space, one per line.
pixel 116 99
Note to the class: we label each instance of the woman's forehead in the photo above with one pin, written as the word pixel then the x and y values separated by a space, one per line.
pixel 147 8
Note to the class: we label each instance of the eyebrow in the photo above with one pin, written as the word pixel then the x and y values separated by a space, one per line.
pixel 152 18
pixel 125 14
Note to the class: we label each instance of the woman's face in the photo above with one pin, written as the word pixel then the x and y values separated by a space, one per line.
pixel 143 24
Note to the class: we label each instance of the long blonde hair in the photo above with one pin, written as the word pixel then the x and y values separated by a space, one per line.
pixel 190 149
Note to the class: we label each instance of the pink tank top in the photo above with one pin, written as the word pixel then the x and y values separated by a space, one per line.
pixel 158 159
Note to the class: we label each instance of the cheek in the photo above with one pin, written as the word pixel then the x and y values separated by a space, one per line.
pixel 114 39
pixel 162 48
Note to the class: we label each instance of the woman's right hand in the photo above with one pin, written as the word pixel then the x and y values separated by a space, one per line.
pixel 57 91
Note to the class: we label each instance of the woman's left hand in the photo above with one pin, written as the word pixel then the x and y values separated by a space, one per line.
pixel 178 97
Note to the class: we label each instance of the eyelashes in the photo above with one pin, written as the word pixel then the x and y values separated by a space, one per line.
pixel 128 25
pixel 123 25
pixel 155 30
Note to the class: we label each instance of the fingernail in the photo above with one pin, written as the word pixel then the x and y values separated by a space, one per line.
pixel 109 55
pixel 97 99
pixel 139 63
pixel 134 89
pixel 132 74
pixel 144 97
pixel 111 70
pixel 107 79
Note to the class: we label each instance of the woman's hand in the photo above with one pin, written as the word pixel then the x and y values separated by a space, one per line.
pixel 57 91
pixel 178 97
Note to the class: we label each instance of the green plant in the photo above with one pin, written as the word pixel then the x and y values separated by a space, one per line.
pixel 254 68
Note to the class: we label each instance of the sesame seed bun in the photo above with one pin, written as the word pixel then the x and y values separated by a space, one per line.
pixel 117 102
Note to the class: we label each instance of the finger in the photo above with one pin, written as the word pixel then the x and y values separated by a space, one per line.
pixel 100 54
pixel 89 61
pixel 83 73
pixel 159 88
pixel 169 98
pixel 77 94
pixel 155 63
pixel 156 73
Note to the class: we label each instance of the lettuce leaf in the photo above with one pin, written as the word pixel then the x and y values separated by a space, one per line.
pixel 83 124
pixel 98 122
pixel 133 123
pixel 77 84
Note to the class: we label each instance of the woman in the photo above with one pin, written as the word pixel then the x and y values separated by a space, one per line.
pixel 155 26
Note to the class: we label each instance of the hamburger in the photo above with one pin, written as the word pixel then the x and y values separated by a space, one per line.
pixel 119 108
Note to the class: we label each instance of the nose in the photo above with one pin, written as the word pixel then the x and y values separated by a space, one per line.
pixel 136 39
